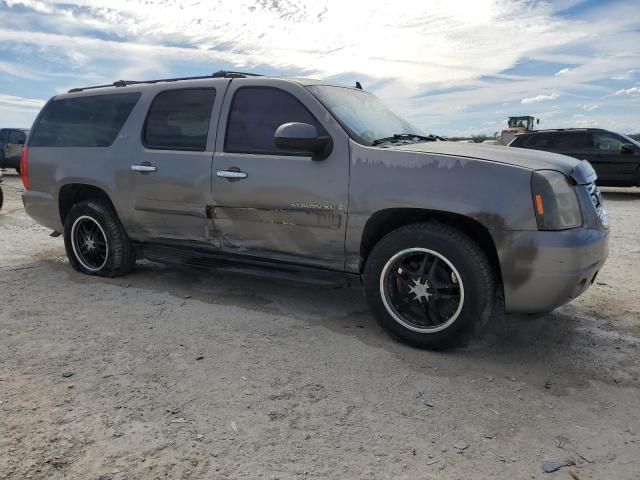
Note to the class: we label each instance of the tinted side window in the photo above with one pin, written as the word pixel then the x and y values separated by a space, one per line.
pixel 16 136
pixel 571 140
pixel 83 121
pixel 179 119
pixel 607 142
pixel 255 115
pixel 540 140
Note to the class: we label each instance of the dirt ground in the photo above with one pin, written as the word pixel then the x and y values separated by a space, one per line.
pixel 175 374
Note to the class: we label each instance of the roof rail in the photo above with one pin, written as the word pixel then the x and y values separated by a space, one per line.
pixel 124 83
pixel 232 74
pixel 568 129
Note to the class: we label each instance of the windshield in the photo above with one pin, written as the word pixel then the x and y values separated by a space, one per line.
pixel 362 114
pixel 631 140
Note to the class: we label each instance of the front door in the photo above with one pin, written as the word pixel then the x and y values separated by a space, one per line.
pixel 612 164
pixel 277 204
pixel 170 172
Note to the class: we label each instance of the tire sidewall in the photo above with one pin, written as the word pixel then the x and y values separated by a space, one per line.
pixel 478 291
pixel 98 213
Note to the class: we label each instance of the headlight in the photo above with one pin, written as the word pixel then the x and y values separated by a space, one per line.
pixel 554 201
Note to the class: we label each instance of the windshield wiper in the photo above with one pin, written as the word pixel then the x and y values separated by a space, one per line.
pixel 407 136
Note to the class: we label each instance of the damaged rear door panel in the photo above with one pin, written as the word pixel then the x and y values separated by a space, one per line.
pixel 170 170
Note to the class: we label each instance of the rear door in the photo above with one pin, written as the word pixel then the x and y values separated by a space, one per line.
pixel 170 169
pixel 285 206
pixel 612 164
pixel 573 144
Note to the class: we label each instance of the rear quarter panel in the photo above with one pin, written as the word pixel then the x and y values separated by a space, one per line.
pixel 51 168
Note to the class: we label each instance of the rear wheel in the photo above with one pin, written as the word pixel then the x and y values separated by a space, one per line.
pixel 96 242
pixel 428 285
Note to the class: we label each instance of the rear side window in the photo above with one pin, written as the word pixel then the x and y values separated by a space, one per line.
pixel 571 140
pixel 540 140
pixel 93 121
pixel 255 115
pixel 16 136
pixel 179 119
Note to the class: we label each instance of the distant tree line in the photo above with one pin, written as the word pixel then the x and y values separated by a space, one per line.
pixel 476 138
pixel 481 138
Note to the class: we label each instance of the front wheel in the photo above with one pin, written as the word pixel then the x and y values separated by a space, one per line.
pixel 428 285
pixel 96 242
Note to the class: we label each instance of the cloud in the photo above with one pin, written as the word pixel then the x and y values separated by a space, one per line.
pixel 540 98
pixel 17 70
pixel 589 108
pixel 628 75
pixel 455 48
pixel 629 91
pixel 423 43
pixel 19 102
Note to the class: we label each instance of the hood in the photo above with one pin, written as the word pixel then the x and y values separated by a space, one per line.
pixel 580 170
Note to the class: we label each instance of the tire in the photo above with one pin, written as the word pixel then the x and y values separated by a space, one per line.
pixel 96 242
pixel 429 285
pixel 1 197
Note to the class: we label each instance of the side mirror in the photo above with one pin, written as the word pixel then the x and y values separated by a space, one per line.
pixel 304 138
pixel 627 148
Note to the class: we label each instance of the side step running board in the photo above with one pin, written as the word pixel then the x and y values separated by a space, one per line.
pixel 240 265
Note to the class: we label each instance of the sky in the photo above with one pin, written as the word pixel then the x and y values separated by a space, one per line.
pixel 451 67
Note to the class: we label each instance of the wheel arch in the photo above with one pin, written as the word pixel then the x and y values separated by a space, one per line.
pixel 385 221
pixel 72 193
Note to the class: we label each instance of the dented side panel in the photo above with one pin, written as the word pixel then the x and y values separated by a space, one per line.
pixel 495 195
pixel 288 208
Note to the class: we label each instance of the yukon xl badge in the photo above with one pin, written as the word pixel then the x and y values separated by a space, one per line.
pixel 316 206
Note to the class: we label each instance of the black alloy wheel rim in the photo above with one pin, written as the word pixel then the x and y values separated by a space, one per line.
pixel 422 290
pixel 89 243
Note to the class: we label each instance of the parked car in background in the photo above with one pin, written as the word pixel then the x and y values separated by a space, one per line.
pixel 307 179
pixel 11 142
pixel 615 157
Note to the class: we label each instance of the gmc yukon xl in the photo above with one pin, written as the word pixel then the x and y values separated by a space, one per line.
pixel 300 177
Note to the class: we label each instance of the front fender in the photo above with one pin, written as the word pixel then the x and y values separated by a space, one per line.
pixel 496 195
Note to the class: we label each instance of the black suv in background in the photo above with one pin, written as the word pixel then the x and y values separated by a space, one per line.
pixel 11 142
pixel 615 157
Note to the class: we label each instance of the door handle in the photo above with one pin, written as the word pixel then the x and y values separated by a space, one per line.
pixel 144 168
pixel 232 173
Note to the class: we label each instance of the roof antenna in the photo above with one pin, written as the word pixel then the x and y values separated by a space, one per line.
pixel 358 85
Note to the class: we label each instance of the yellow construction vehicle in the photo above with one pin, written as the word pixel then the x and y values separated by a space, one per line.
pixel 517 125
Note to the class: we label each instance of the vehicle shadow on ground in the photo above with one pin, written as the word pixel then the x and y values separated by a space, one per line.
pixel 563 339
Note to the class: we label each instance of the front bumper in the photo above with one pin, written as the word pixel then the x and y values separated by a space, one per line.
pixel 543 270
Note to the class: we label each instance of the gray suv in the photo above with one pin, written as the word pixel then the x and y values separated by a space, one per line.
pixel 313 181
